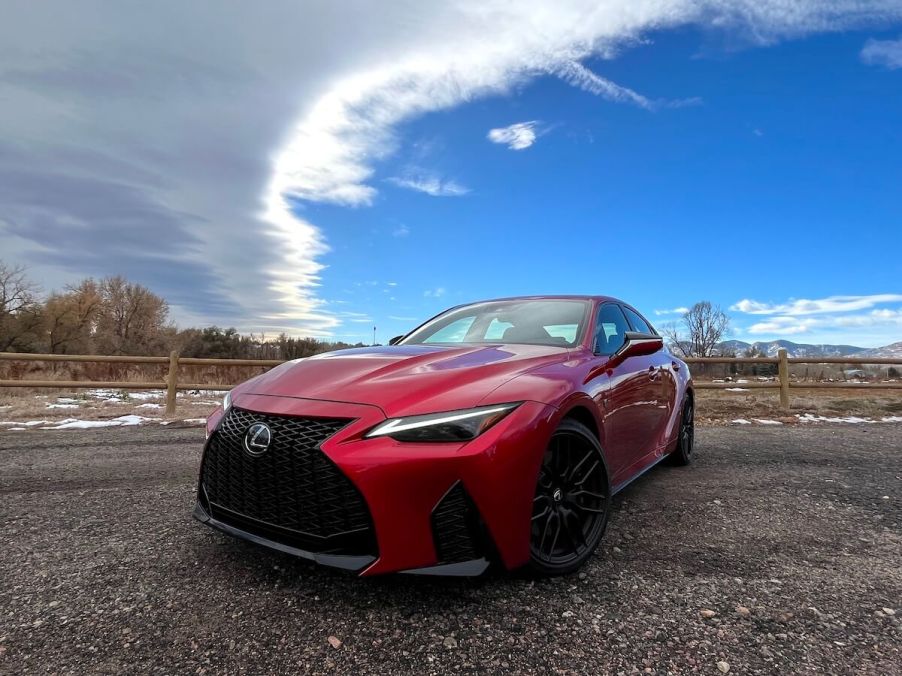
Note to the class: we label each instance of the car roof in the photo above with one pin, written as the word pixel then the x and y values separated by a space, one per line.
pixel 588 297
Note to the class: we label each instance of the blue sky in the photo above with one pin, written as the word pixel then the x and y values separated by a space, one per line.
pixel 782 182
pixel 320 168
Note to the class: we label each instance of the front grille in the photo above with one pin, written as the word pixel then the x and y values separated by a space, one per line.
pixel 292 493
pixel 456 528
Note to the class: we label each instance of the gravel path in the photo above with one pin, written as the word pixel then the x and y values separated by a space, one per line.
pixel 778 551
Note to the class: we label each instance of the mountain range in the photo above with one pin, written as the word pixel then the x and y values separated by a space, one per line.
pixel 769 348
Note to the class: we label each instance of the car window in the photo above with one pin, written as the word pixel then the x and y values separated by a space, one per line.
pixel 637 322
pixel 496 329
pixel 610 329
pixel 455 332
pixel 555 322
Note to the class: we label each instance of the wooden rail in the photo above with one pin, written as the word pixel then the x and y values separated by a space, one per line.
pixel 172 385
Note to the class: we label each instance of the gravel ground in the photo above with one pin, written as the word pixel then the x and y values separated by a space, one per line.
pixel 778 551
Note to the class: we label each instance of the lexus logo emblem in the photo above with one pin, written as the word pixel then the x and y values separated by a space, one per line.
pixel 257 439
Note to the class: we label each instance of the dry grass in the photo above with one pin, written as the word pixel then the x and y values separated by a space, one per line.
pixel 54 405
pixel 719 407
pixel 714 407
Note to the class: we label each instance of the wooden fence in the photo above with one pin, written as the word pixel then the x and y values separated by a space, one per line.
pixel 783 380
pixel 172 385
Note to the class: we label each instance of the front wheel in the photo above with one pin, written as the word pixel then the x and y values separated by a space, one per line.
pixel 571 503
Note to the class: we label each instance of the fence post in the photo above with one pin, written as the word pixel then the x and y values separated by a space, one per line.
pixel 784 379
pixel 172 382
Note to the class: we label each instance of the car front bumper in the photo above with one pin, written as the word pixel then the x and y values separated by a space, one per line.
pixel 409 487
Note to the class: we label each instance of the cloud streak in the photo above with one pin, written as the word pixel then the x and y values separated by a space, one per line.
pixel 804 306
pixel 431 185
pixel 887 53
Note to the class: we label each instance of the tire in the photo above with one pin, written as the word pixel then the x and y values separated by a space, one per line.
pixel 682 454
pixel 571 503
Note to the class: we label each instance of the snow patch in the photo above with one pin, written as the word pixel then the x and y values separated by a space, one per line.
pixel 736 389
pixel 121 421
pixel 767 422
pixel 62 405
pixel 195 421
pixel 149 406
pixel 852 420
pixel 741 421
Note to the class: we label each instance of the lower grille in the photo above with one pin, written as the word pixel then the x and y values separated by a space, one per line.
pixel 456 528
pixel 292 493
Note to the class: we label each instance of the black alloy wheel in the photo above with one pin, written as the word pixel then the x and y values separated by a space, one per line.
pixel 682 454
pixel 571 503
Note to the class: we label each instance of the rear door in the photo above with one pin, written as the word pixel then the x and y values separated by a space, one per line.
pixel 629 405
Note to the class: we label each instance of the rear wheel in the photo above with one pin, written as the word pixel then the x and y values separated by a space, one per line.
pixel 571 503
pixel 682 454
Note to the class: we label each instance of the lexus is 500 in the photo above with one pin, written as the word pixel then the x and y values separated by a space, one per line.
pixel 494 432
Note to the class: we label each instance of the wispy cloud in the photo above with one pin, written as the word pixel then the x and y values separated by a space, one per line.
pixel 674 311
pixel 401 231
pixel 403 319
pixel 517 136
pixel 437 292
pixel 576 74
pixel 804 306
pixel 886 53
pixel 431 185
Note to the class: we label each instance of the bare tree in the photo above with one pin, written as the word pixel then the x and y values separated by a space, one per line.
pixel 20 310
pixel 131 319
pixel 71 318
pixel 700 330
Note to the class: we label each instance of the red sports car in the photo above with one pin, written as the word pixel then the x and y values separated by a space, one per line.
pixel 494 432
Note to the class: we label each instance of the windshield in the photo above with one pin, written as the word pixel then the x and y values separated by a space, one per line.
pixel 532 322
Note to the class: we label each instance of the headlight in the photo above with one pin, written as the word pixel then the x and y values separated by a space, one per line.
pixel 226 401
pixel 450 426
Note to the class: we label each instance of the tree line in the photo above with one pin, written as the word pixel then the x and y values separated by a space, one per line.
pixel 117 317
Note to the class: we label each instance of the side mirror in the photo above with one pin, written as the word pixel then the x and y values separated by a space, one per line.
pixel 636 344
pixel 395 340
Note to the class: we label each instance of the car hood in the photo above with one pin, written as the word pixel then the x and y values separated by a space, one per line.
pixel 404 379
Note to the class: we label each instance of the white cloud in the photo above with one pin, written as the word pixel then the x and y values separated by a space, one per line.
pixel 886 53
pixel 803 306
pixel 889 320
pixel 401 231
pixel 517 136
pixel 674 311
pixel 175 140
pixel 438 292
pixel 837 319
pixel 431 185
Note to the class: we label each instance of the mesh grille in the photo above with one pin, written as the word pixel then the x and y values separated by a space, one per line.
pixel 455 528
pixel 292 492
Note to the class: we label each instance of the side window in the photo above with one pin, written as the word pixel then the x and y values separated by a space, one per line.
pixel 637 322
pixel 610 329
pixel 455 332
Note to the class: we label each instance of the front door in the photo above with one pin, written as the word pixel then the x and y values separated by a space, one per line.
pixel 630 404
